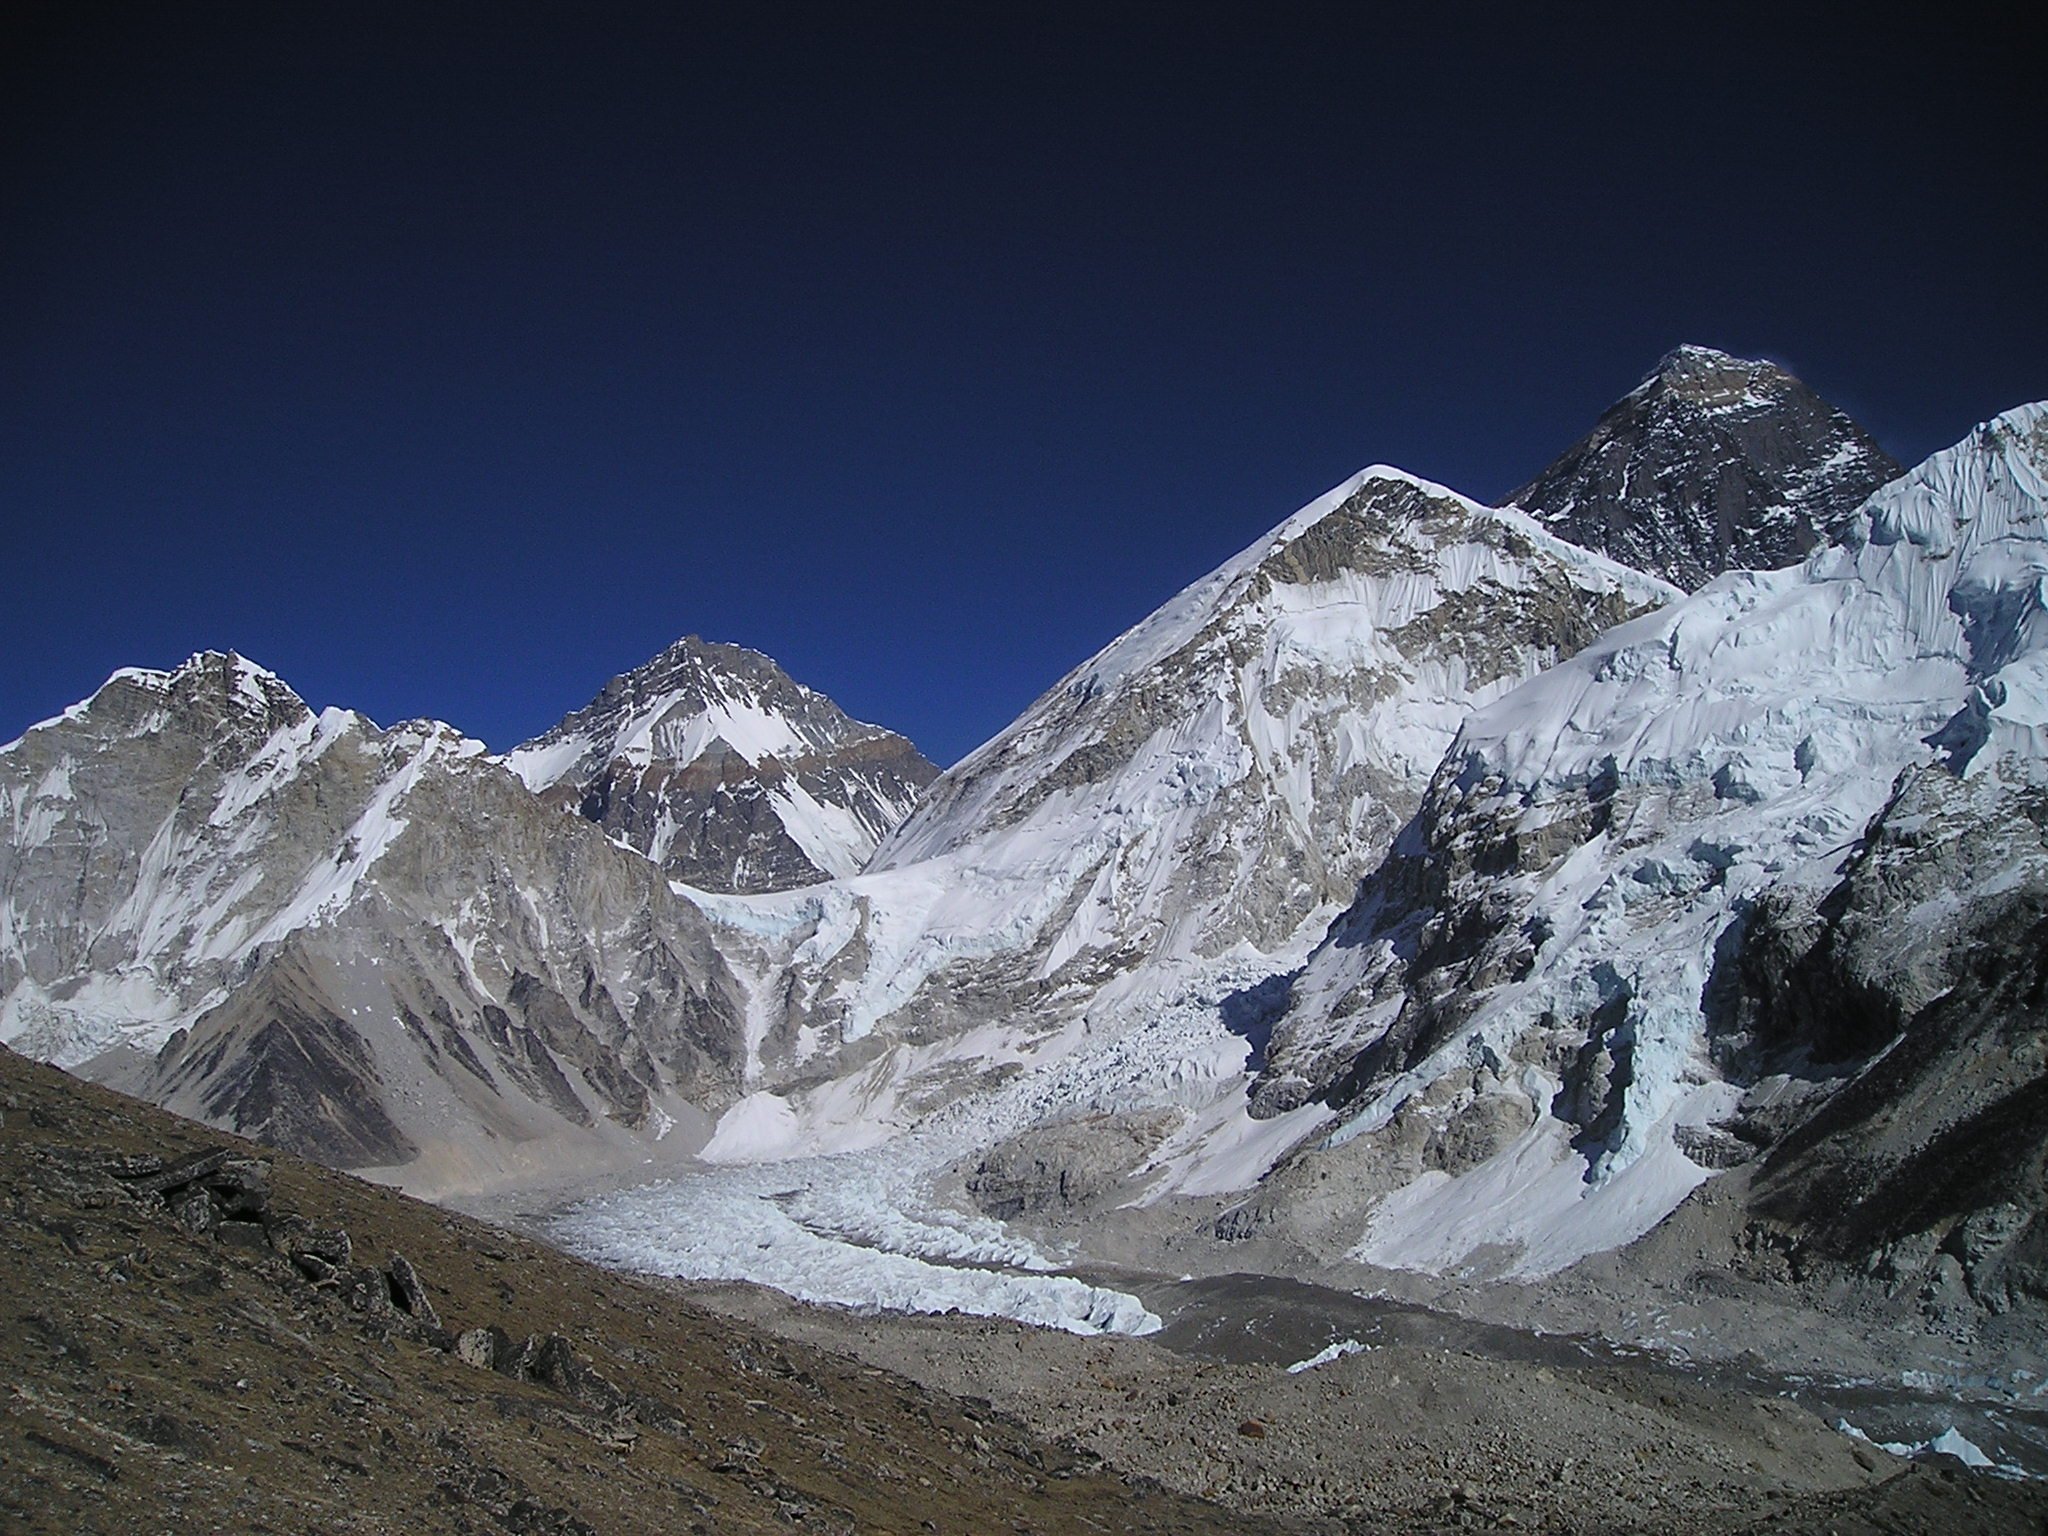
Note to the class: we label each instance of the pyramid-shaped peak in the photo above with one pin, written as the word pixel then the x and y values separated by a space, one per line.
pixel 713 665
pixel 695 648
pixel 1712 463
pixel 1691 357
pixel 687 759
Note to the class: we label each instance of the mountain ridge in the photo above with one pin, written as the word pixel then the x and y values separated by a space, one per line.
pixel 1387 882
pixel 1571 904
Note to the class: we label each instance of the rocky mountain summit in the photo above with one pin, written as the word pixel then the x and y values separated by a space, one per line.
pixel 1713 463
pixel 716 764
pixel 375 946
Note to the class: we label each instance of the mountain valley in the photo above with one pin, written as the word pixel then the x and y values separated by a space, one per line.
pixel 1616 913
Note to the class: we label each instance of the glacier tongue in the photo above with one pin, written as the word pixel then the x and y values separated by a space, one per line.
pixel 1557 922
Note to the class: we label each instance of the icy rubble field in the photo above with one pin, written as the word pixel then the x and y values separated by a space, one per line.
pixel 755 1224
pixel 861 1229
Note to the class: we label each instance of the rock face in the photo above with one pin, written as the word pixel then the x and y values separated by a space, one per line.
pixel 372 946
pixel 1928 962
pixel 1633 910
pixel 1064 1166
pixel 714 763
pixel 1713 463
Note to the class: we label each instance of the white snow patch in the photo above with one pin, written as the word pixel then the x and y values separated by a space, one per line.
pixel 760 1127
pixel 1950 1442
pixel 1327 1355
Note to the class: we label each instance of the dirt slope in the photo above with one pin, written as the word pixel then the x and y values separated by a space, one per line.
pixel 161 1378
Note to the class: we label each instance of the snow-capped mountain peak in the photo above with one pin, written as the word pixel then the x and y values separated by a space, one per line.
pixel 222 685
pixel 714 762
pixel 1385 574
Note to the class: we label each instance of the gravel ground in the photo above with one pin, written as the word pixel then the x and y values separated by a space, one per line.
pixel 1525 1433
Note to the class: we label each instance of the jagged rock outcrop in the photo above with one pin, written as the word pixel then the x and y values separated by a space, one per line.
pixel 717 765
pixel 1713 463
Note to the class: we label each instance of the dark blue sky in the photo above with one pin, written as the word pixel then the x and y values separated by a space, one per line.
pixel 450 363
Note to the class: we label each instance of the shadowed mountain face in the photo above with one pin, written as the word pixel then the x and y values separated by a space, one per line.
pixel 716 764
pixel 1713 463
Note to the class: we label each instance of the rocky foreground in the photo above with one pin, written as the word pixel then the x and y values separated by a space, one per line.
pixel 202 1335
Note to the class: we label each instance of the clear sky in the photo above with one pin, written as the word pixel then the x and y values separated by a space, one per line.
pixel 450 359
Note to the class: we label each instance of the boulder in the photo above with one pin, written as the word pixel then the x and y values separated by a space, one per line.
pixel 410 1293
pixel 165 1177
pixel 479 1346
pixel 368 1291
pixel 194 1210
pixel 240 1186
pixel 238 1233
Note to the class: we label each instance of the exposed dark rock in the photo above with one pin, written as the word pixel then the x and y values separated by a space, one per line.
pixel 1243 1221
pixel 1712 463
pixel 556 1364
pixel 164 1177
pixel 277 1062
pixel 296 1238
pixel 194 1209
pixel 1062 1167
pixel 316 1269
pixel 409 1294
pixel 240 1187
pixel 1928 1164
pixel 368 1291
pixel 237 1233
pixel 514 1358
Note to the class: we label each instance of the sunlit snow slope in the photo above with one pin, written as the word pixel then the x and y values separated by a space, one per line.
pixel 1175 820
